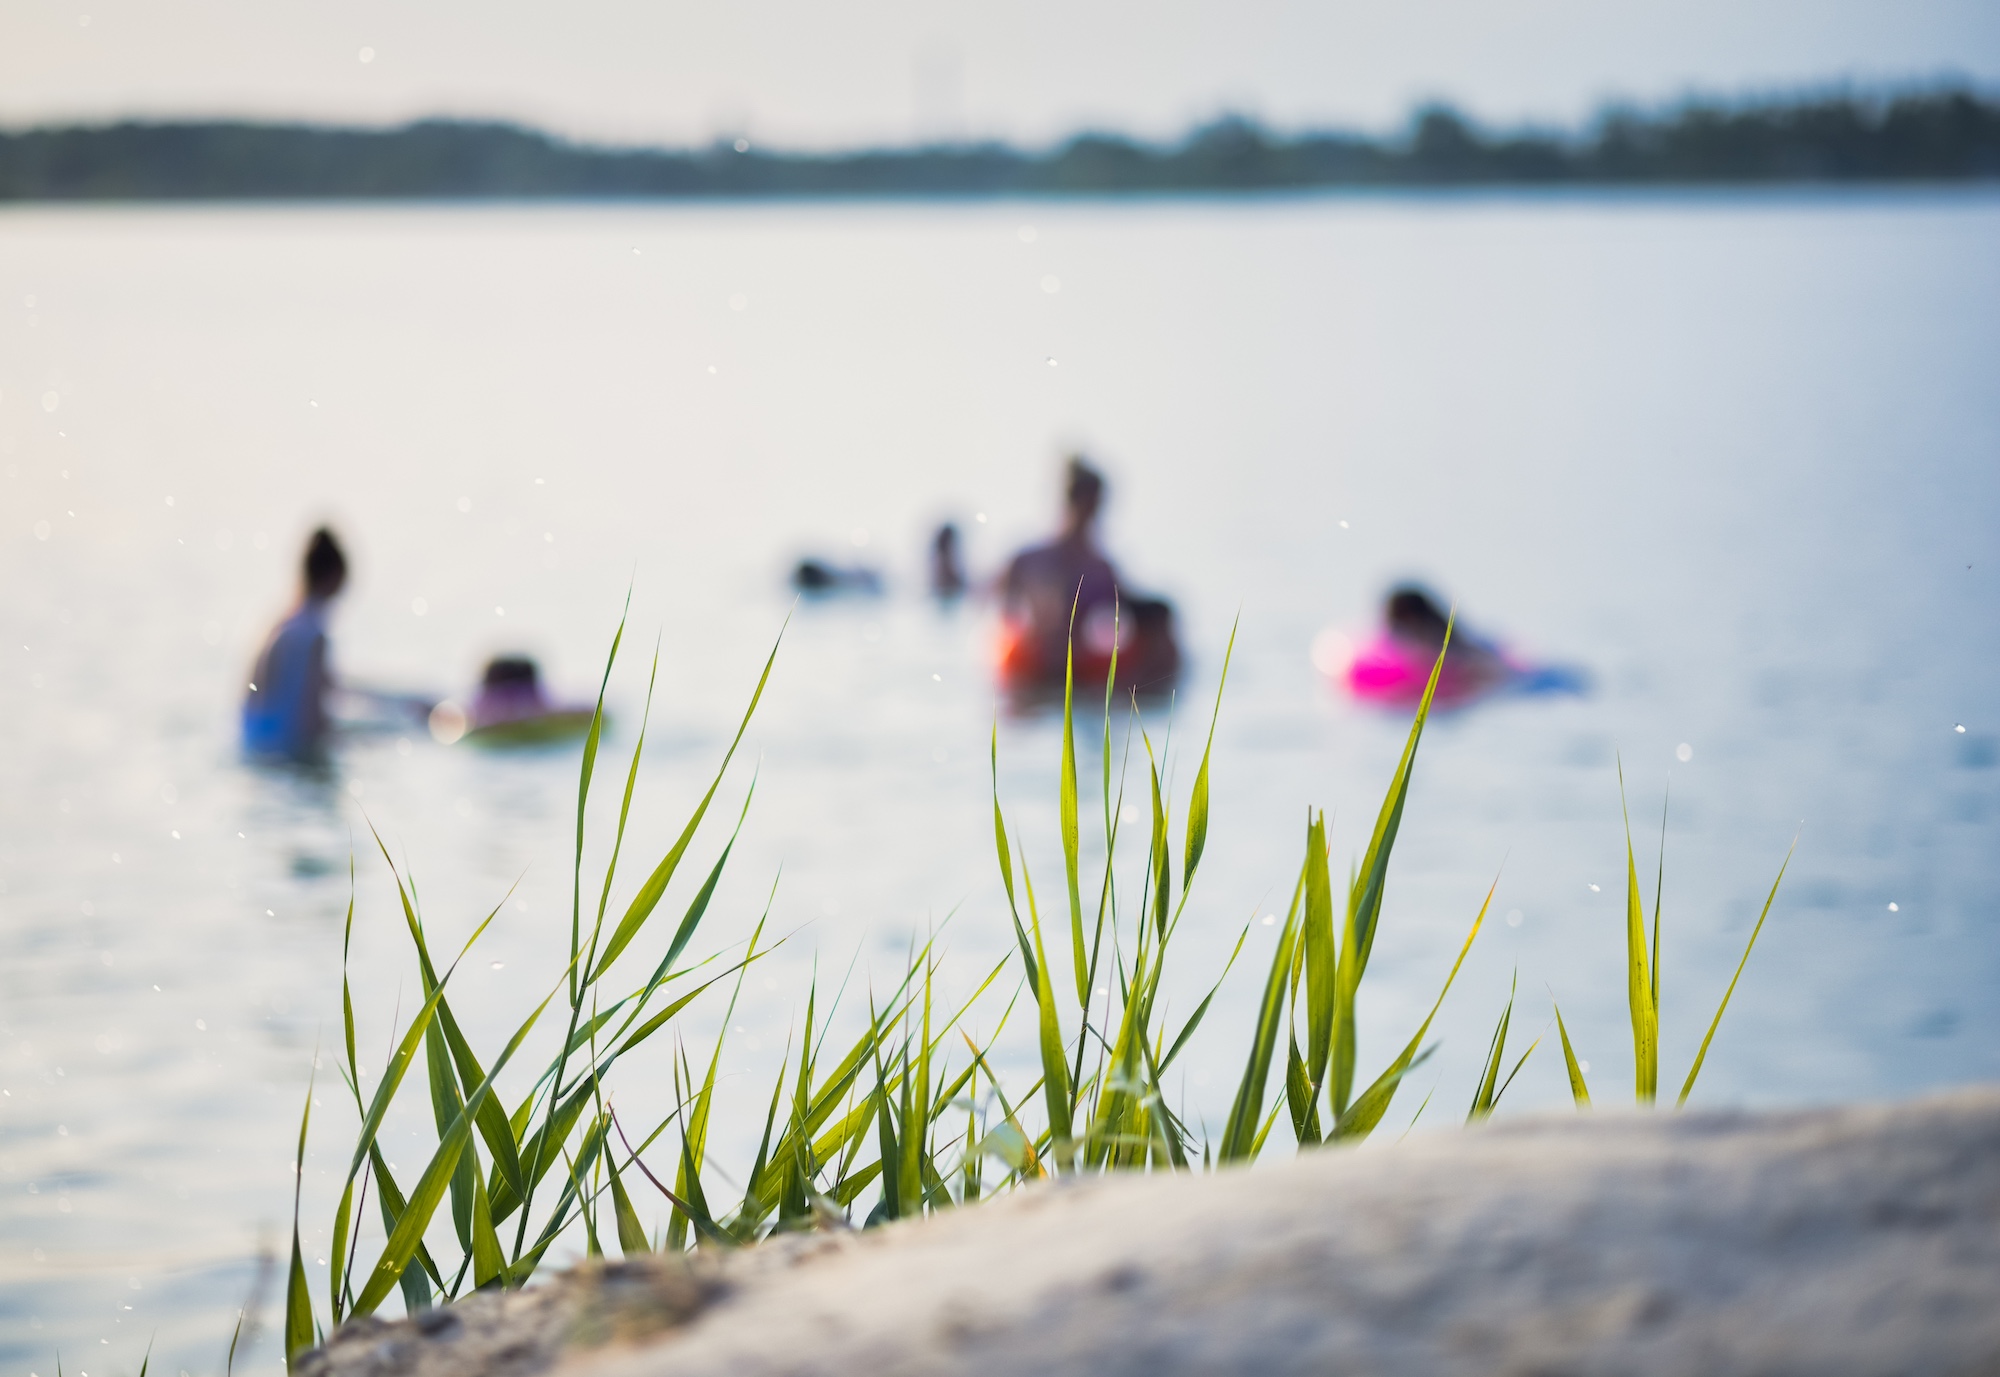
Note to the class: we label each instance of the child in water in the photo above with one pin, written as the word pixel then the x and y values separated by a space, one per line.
pixel 284 710
pixel 510 690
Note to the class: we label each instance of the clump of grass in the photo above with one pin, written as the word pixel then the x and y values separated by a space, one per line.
pixel 1642 974
pixel 908 1116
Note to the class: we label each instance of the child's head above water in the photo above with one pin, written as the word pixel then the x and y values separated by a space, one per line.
pixel 511 671
pixel 1414 615
pixel 325 566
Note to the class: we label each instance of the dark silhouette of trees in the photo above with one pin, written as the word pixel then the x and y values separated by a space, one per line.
pixel 1937 135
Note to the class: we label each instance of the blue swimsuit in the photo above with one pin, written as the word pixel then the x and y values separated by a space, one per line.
pixel 282 715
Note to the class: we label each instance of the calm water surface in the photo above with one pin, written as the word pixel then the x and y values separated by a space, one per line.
pixel 1739 456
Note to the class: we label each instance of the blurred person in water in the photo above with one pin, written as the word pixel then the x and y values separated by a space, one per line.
pixel 947 572
pixel 1415 622
pixel 285 711
pixel 1045 585
pixel 1395 664
pixel 510 690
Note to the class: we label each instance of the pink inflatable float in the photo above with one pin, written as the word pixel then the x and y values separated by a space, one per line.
pixel 1383 669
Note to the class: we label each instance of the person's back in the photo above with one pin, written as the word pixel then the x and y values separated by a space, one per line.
pixel 284 709
pixel 1045 583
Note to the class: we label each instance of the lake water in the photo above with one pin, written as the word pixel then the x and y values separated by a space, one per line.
pixel 1738 455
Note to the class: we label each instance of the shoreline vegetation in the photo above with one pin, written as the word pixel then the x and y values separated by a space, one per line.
pixel 910 1117
pixel 1938 134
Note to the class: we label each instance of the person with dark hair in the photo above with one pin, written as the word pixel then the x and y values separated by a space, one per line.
pixel 510 689
pixel 821 578
pixel 1394 666
pixel 1067 584
pixel 284 708
pixel 1416 623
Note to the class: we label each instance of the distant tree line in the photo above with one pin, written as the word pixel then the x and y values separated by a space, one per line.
pixel 1950 134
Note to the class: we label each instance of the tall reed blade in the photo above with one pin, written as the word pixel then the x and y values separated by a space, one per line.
pixel 919 1088
pixel 632 1240
pixel 408 1234
pixel 1577 1089
pixel 1001 846
pixel 1160 868
pixel 1055 1067
pixel 1716 1022
pixel 1639 981
pixel 624 808
pixel 1659 892
pixel 1364 903
pixel 589 767
pixel 489 1264
pixel 1301 1095
pixel 1069 825
pixel 298 1297
pixel 1197 820
pixel 1367 1111
pixel 1322 968
pixel 1240 1134
pixel 1487 1094
pixel 649 894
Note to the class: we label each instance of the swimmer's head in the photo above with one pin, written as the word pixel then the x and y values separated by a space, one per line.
pixel 326 566
pixel 510 671
pixel 1414 615
pixel 1083 492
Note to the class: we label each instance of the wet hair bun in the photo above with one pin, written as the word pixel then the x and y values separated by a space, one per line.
pixel 325 564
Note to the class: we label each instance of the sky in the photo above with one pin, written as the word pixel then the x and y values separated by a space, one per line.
pixel 809 73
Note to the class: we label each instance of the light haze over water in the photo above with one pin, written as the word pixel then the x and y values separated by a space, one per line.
pixel 1738 455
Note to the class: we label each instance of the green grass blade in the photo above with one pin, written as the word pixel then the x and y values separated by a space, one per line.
pixel 1321 961
pixel 624 806
pixel 408 1235
pixel 632 1240
pixel 1002 847
pixel 1373 877
pixel 1160 868
pixel 1659 893
pixel 1055 1067
pixel 540 1151
pixel 1638 979
pixel 446 1106
pixel 298 1296
pixel 1240 1135
pixel 337 1255
pixel 489 1264
pixel 650 893
pixel 1301 1096
pixel 1201 1009
pixel 1197 820
pixel 918 1096
pixel 1069 824
pixel 1367 1111
pixel 590 743
pixel 346 992
pixel 1577 1089
pixel 392 1077
pixel 493 1125
pixel 417 1278
pixel 1487 1095
pixel 1499 1094
pixel 1716 1022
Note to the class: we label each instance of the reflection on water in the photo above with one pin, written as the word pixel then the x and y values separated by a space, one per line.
pixel 1732 456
